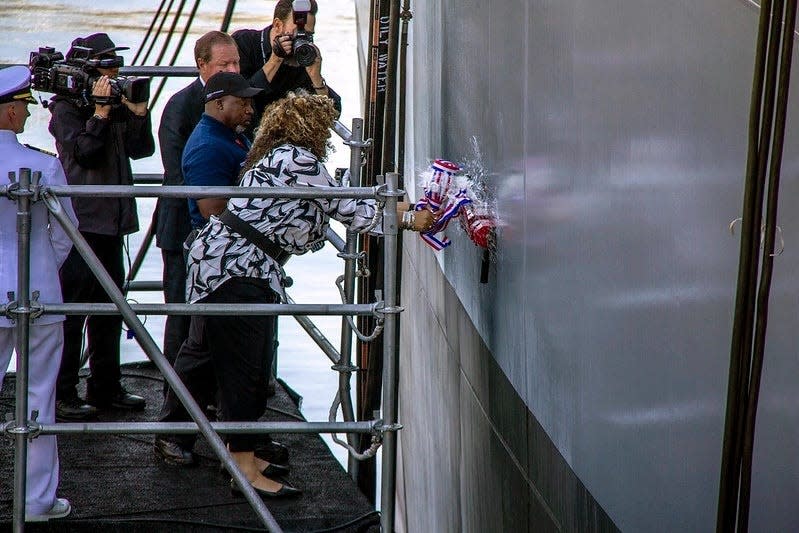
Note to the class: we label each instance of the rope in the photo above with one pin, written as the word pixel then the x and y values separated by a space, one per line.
pixel 157 33
pixel 177 49
pixel 149 31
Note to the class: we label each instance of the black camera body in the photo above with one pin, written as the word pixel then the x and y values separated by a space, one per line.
pixel 75 77
pixel 303 49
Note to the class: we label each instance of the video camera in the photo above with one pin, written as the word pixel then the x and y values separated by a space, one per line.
pixel 303 48
pixel 75 77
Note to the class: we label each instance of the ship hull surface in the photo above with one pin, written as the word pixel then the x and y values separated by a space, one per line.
pixel 583 387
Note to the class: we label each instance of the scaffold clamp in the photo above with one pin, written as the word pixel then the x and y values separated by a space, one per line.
pixel 345 368
pixel 382 428
pixel 381 190
pixel 359 144
pixel 381 310
pixel 31 429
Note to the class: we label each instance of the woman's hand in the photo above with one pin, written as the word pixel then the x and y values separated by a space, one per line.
pixel 421 220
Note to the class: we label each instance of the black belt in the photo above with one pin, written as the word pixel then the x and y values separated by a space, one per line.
pixel 246 230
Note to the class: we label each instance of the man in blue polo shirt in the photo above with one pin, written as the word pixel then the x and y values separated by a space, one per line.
pixel 213 157
pixel 216 148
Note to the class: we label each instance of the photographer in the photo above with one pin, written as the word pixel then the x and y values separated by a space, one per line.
pixel 96 137
pixel 269 62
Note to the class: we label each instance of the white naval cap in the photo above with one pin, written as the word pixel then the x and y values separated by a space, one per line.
pixel 15 85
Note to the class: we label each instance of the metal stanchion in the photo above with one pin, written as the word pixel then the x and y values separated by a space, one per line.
pixel 350 255
pixel 390 353
pixel 21 313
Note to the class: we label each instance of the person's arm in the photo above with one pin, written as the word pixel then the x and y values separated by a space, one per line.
pixel 358 214
pixel 258 73
pixel 139 141
pixel 317 82
pixel 82 139
pixel 211 206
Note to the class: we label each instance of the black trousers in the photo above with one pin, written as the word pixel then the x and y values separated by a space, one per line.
pixel 176 329
pixel 80 285
pixel 240 349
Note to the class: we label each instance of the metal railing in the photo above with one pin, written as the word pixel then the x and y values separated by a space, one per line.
pixel 24 310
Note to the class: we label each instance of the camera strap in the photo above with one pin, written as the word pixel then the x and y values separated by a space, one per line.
pixel 263 50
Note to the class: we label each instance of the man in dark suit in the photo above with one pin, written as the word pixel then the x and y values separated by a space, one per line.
pixel 214 52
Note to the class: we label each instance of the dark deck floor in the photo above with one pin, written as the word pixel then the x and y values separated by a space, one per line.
pixel 115 482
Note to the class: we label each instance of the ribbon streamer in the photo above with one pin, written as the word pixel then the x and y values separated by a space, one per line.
pixel 444 198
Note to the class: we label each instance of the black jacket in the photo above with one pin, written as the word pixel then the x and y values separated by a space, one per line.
pixel 94 151
pixel 253 56
pixel 181 114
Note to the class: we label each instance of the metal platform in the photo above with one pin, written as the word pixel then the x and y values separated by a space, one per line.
pixel 115 483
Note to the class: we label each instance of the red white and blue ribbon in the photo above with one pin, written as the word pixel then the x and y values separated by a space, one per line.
pixel 442 196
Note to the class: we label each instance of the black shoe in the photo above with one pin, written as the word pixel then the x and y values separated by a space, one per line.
pixel 284 492
pixel 272 452
pixel 122 399
pixel 271 471
pixel 275 470
pixel 74 409
pixel 173 453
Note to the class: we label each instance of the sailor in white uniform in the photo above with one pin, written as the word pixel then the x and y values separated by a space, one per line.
pixel 49 248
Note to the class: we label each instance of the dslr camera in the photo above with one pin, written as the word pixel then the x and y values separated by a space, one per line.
pixel 75 77
pixel 303 48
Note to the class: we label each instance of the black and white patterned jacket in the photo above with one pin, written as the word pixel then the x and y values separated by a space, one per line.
pixel 219 254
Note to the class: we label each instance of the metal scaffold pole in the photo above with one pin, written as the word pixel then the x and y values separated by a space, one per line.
pixel 391 354
pixel 22 312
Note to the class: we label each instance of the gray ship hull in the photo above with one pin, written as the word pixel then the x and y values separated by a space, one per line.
pixel 583 387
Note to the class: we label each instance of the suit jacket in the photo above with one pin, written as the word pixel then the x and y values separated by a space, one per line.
pixel 181 115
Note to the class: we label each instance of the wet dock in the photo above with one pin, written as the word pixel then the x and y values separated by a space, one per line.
pixel 115 483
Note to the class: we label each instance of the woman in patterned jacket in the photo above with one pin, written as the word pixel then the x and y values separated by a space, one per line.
pixel 224 267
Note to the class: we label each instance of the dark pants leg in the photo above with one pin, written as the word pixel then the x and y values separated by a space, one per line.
pixel 80 285
pixel 195 369
pixel 176 329
pixel 242 355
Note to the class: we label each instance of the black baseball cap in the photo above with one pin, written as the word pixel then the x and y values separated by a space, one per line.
pixel 228 84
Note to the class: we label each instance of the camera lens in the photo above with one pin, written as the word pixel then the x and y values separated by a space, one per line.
pixel 304 52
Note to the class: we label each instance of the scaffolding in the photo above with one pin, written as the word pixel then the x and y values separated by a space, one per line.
pixel 24 307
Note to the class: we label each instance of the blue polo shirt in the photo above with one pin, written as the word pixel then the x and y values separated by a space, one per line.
pixel 213 157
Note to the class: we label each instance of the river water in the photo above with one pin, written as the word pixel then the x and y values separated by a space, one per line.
pixel 26 25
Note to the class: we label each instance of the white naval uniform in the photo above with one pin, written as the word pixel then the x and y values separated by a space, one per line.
pixel 49 248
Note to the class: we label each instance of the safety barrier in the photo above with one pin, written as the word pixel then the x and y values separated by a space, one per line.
pixel 25 308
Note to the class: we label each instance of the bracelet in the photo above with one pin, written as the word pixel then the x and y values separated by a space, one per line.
pixel 99 117
pixel 323 86
pixel 408 220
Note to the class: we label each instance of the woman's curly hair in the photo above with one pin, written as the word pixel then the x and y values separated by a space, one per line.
pixel 301 119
